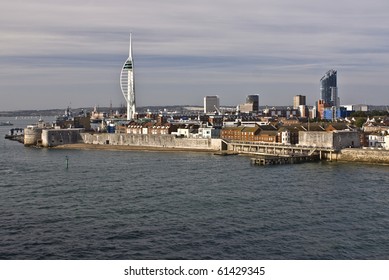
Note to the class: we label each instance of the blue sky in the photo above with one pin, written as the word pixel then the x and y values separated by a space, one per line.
pixel 55 53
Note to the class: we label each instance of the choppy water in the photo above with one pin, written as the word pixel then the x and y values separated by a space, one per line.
pixel 159 205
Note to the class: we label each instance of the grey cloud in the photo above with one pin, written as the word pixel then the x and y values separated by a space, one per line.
pixel 187 49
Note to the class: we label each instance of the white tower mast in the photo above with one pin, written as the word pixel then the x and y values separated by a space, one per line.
pixel 127 83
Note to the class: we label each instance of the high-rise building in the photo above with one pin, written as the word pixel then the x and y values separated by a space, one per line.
pixel 211 104
pixel 322 106
pixel 127 83
pixel 304 111
pixel 334 97
pixel 299 100
pixel 329 88
pixel 253 99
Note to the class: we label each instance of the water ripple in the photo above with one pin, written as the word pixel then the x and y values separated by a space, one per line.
pixel 137 205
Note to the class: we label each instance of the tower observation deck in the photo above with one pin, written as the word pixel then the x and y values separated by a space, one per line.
pixel 127 83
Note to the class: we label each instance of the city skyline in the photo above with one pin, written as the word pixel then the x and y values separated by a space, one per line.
pixel 71 53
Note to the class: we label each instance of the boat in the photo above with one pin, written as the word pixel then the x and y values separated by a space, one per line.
pixel 8 123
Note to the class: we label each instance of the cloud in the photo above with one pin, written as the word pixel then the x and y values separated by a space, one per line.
pixel 185 50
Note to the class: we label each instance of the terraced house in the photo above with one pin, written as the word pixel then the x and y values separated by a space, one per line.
pixel 265 133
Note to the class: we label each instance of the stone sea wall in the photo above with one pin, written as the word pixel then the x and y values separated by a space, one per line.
pixel 145 140
pixel 32 136
pixel 363 155
pixel 52 138
pixel 56 137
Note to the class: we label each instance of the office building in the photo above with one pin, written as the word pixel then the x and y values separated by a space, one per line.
pixel 254 100
pixel 299 100
pixel 211 104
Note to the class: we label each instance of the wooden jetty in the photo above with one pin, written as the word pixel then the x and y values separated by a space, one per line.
pixel 277 160
pixel 225 153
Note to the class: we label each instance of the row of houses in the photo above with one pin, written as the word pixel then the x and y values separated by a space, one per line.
pixel 246 131
pixel 188 129
pixel 286 134
pixel 376 133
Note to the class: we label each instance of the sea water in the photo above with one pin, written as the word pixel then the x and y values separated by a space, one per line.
pixel 186 205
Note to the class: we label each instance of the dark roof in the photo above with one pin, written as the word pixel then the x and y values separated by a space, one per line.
pixel 291 128
pixel 250 129
pixel 267 127
pixel 268 132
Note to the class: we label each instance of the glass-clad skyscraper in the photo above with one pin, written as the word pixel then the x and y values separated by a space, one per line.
pixel 127 84
pixel 329 88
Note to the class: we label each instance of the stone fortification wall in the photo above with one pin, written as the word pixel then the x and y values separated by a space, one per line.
pixel 162 141
pixel 334 140
pixel 345 139
pixel 56 137
pixel 316 138
pixel 364 155
pixel 32 135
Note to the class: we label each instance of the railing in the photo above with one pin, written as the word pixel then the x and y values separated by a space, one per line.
pixel 308 149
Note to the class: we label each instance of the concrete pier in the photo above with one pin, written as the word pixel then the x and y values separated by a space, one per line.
pixel 277 160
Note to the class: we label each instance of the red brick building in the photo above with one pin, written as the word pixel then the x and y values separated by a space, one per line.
pixel 250 134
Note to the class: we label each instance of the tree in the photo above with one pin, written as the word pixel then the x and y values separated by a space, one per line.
pixel 358 114
pixel 360 121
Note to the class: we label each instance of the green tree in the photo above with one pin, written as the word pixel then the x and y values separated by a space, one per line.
pixel 360 121
pixel 358 114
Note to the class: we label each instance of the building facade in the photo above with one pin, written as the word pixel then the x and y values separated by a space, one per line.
pixel 254 100
pixel 321 107
pixel 251 134
pixel 211 104
pixel 336 140
pixel 246 108
pixel 329 88
pixel 299 100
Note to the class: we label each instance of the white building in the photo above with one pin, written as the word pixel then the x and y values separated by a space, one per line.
pixel 376 141
pixel 127 84
pixel 285 137
pixel 356 107
pixel 386 144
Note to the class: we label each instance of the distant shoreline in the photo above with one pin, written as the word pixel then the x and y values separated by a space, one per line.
pixel 83 146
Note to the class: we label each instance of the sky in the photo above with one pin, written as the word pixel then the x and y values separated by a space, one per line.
pixel 59 53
